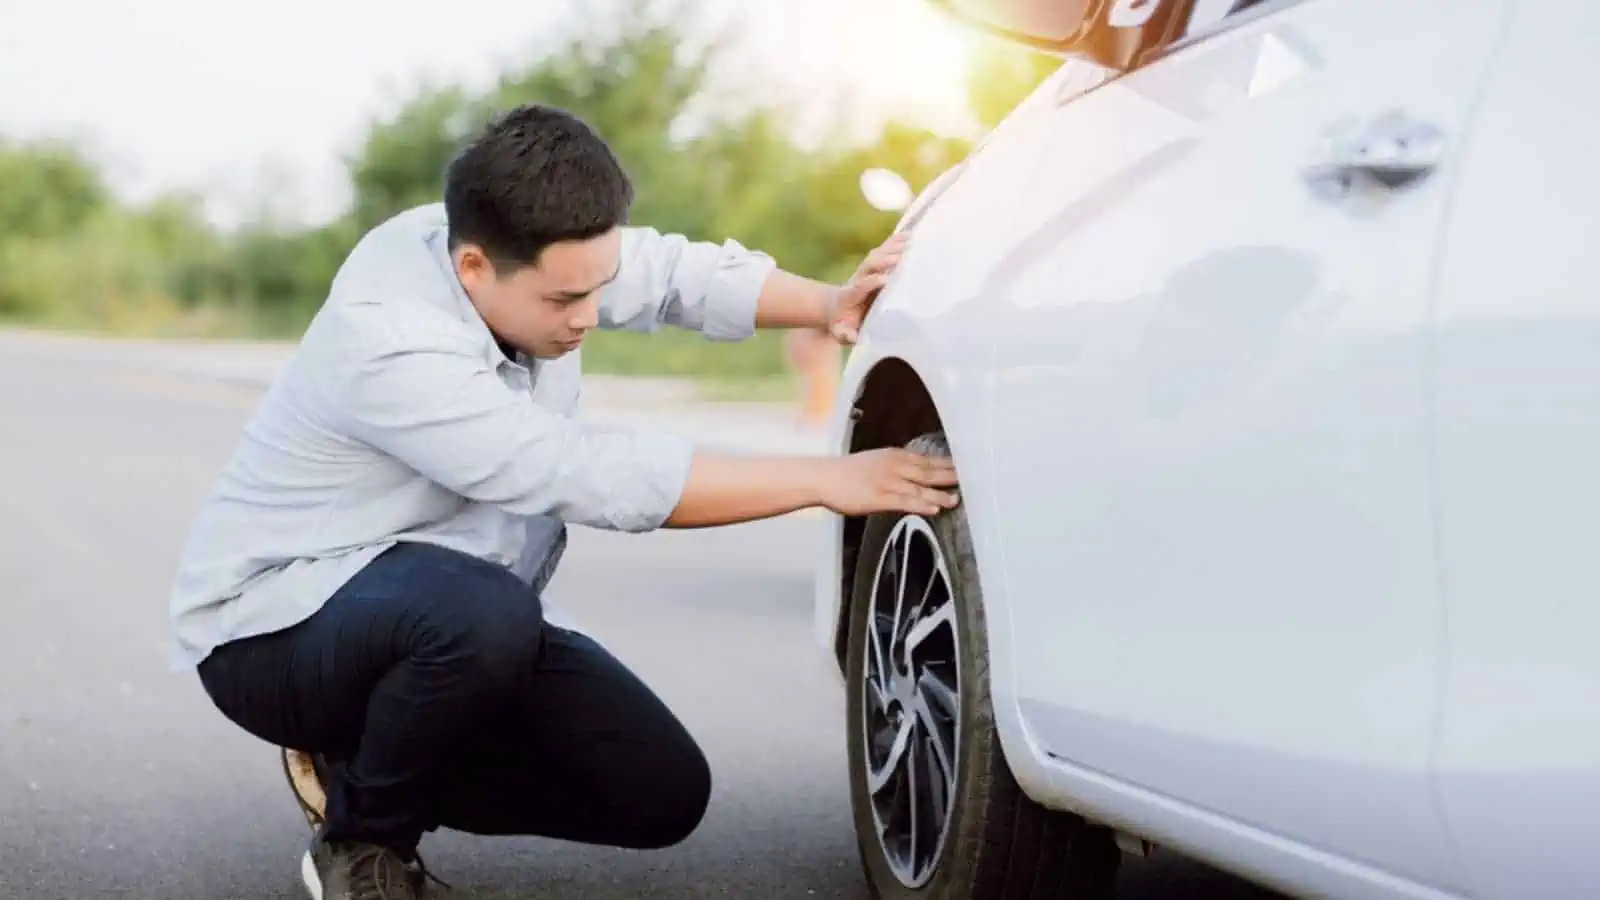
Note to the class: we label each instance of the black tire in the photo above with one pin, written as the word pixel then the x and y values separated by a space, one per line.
pixel 1000 845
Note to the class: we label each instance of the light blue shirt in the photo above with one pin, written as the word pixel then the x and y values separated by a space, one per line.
pixel 400 419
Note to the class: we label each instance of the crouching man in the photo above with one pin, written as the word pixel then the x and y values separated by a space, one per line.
pixel 364 582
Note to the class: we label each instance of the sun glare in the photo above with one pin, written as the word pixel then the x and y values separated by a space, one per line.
pixel 923 59
pixel 893 57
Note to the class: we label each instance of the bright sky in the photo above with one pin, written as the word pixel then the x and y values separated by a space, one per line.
pixel 245 101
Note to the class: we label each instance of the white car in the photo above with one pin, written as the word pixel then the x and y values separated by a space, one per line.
pixel 1266 340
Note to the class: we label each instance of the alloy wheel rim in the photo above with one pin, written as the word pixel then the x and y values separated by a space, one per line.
pixel 911 722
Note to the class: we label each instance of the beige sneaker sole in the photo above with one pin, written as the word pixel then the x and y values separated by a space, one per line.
pixel 308 790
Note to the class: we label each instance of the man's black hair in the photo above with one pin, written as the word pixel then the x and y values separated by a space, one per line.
pixel 533 177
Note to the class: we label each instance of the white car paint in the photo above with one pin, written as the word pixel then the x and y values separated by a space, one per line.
pixel 1280 496
pixel 1517 435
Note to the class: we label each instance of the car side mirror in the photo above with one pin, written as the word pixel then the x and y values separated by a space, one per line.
pixel 1117 34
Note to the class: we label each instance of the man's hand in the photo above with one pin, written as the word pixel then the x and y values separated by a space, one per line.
pixel 727 490
pixel 890 480
pixel 788 300
pixel 856 295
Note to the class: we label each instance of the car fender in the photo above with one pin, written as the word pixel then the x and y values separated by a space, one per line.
pixel 951 351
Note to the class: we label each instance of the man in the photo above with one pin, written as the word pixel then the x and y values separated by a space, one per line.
pixel 364 582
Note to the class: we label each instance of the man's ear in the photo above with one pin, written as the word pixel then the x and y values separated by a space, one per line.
pixel 471 258
pixel 473 266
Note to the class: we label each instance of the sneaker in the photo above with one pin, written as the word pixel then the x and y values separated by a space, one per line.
pixel 358 871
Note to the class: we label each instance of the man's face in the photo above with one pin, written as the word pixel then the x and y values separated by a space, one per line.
pixel 543 310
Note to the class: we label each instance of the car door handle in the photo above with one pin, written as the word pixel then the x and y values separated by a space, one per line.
pixel 1394 150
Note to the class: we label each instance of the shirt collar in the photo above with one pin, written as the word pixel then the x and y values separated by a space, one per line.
pixel 495 353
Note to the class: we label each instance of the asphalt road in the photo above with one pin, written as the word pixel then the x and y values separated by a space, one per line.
pixel 117 779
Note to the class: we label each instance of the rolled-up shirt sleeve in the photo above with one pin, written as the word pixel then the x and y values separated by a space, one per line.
pixel 668 279
pixel 444 411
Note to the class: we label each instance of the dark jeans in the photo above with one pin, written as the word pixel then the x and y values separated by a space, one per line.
pixel 443 700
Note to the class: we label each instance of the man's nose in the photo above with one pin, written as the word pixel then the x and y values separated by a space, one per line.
pixel 586 315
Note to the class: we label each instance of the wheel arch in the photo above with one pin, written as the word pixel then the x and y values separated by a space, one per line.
pixel 892 407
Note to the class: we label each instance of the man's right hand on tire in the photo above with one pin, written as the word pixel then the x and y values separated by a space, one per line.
pixel 727 490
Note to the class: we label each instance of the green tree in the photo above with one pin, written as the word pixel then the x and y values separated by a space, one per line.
pixel 47 189
pixel 401 163
pixel 632 86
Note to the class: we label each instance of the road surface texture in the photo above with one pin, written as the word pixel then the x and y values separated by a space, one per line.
pixel 117 779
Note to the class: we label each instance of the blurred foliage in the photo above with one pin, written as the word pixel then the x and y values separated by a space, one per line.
pixel 47 190
pixel 401 163
pixel 71 256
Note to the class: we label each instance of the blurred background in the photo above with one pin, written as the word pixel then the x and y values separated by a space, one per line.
pixel 190 169
pixel 191 173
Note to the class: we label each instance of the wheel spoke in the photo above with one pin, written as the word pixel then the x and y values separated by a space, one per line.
pixel 915 790
pixel 941 696
pixel 877 707
pixel 944 614
pixel 885 615
pixel 936 788
pixel 889 805
pixel 877 663
pixel 915 618
pixel 897 818
pixel 903 568
pixel 876 781
pixel 935 579
pixel 902 555
pixel 939 737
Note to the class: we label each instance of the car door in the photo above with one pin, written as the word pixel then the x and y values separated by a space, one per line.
pixel 1214 481
pixel 1518 435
